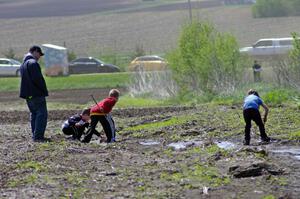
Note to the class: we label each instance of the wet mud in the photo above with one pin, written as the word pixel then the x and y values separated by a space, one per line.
pixel 165 152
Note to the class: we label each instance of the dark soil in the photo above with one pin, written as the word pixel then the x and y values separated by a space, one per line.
pixel 76 96
pixel 141 164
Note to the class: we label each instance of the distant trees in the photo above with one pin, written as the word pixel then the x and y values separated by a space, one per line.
pixel 275 8
pixel 206 60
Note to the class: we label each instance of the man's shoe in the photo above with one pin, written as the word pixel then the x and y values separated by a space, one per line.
pixel 266 140
pixel 246 142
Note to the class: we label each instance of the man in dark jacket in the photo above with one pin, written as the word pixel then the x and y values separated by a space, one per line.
pixel 33 88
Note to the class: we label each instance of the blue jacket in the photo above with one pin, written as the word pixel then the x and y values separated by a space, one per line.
pixel 32 81
pixel 252 101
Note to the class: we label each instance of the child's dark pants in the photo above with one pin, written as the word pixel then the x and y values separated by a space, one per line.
pixel 253 114
pixel 92 128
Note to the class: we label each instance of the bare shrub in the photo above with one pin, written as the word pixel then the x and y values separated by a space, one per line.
pixel 287 69
pixel 10 53
pixel 159 84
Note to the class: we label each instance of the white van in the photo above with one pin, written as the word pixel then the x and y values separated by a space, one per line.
pixel 269 47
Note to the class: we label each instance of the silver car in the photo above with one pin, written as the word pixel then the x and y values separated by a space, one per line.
pixel 9 67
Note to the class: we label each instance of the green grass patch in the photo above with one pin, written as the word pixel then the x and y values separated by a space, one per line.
pixel 75 178
pixel 33 165
pixel 281 181
pixel 213 149
pixel 197 174
pixel 26 180
pixel 294 135
pixel 269 197
pixel 75 193
pixel 271 95
pixel 127 101
pixel 84 81
pixel 156 125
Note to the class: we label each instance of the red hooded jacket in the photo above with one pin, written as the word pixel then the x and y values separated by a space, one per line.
pixel 106 104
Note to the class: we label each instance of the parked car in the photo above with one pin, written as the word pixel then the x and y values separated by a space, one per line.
pixel 269 47
pixel 9 67
pixel 148 63
pixel 91 65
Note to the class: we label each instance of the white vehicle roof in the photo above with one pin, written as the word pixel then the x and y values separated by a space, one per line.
pixel 276 39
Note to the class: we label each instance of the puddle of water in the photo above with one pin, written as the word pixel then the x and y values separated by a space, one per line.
pixel 294 152
pixel 183 145
pixel 149 143
pixel 226 145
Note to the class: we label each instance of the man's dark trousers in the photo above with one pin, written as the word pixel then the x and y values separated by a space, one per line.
pixel 38 116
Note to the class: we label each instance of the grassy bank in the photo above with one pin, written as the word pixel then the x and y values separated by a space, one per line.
pixel 270 93
pixel 107 80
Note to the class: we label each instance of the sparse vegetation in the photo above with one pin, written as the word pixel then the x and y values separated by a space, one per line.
pixel 276 8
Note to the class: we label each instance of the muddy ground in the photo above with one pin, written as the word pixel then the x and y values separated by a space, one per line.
pixel 169 152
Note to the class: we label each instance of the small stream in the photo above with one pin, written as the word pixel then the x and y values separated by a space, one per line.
pixel 226 145
pixel 149 143
pixel 294 152
pixel 183 145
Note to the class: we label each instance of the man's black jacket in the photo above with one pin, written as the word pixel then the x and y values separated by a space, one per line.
pixel 32 81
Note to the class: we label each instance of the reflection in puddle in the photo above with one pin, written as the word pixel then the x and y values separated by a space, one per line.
pixel 149 143
pixel 225 145
pixel 184 145
pixel 295 152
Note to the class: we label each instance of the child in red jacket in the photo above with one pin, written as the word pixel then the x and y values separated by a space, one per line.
pixel 101 113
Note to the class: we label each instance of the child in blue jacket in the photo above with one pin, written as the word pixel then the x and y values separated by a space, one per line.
pixel 251 112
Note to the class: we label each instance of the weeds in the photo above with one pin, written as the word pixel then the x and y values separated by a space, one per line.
pixel 269 197
pixel 32 165
pixel 156 125
pixel 294 136
pixel 199 174
pixel 28 179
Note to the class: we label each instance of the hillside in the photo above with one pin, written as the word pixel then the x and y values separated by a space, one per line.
pixel 156 29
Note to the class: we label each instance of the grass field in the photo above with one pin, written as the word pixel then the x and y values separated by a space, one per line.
pixel 95 34
pixel 107 80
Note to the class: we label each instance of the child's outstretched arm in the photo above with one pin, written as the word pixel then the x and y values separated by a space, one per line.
pixel 266 112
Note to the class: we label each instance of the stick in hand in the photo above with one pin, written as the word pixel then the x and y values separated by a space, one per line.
pixel 96 102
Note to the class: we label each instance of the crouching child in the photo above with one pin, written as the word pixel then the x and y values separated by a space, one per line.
pixel 100 112
pixel 76 124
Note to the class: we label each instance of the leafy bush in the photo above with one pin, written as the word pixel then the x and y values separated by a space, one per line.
pixel 278 96
pixel 275 8
pixel 206 60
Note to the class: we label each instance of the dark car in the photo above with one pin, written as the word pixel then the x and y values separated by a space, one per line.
pixel 91 65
